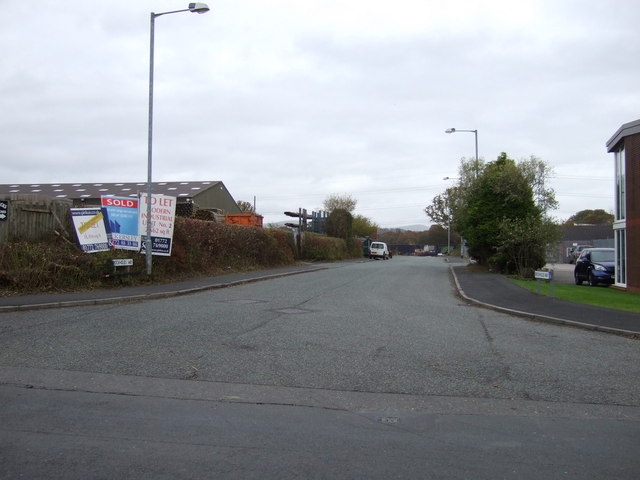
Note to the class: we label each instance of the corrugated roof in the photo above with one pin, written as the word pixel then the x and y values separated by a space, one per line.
pixel 96 190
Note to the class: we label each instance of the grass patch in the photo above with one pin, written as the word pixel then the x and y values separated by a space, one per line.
pixel 599 296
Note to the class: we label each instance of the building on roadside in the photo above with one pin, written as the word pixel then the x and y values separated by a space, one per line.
pixel 625 145
pixel 575 235
pixel 192 196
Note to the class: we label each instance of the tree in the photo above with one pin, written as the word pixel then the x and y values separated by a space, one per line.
pixel 339 224
pixel 245 207
pixel 439 211
pixel 536 173
pixel 499 193
pixel 437 235
pixel 391 236
pixel 502 207
pixel 358 225
pixel 337 201
pixel 591 217
pixel 523 241
pixel 363 227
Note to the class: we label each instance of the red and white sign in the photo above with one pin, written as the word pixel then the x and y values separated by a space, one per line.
pixel 122 222
pixel 119 202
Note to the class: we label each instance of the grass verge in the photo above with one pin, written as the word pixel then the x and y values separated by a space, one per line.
pixel 599 296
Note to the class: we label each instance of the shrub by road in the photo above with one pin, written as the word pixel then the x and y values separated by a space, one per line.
pixel 200 248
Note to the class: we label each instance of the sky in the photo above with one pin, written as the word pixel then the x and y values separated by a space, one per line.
pixel 290 101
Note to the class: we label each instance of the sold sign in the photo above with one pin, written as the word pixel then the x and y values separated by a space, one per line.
pixel 119 202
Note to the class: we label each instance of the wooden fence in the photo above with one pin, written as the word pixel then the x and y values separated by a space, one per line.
pixel 34 217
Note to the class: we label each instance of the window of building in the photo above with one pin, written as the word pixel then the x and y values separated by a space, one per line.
pixel 621 257
pixel 619 226
pixel 621 197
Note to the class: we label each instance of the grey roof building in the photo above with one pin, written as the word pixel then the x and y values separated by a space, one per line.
pixel 208 195
pixel 625 146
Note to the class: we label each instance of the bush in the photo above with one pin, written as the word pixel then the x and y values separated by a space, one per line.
pixel 50 266
pixel 321 247
pixel 202 248
pixel 199 248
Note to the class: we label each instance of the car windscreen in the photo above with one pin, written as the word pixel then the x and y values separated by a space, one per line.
pixel 377 245
pixel 600 256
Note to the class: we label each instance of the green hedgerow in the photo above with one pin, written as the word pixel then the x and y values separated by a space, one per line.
pixel 199 248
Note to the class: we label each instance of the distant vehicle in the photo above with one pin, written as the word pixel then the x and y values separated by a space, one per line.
pixel 430 250
pixel 595 266
pixel 379 250
pixel 576 251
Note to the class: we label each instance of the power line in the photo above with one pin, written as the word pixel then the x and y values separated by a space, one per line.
pixel 581 177
pixel 354 192
pixel 586 195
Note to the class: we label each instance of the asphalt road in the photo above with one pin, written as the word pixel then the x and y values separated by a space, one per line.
pixel 365 370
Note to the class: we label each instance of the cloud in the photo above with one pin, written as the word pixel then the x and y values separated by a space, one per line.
pixel 293 101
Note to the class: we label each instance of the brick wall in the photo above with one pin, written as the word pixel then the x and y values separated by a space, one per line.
pixel 632 152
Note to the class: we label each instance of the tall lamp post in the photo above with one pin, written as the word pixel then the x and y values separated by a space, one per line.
pixel 194 8
pixel 475 132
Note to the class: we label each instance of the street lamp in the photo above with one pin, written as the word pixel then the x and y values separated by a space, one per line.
pixel 475 132
pixel 194 8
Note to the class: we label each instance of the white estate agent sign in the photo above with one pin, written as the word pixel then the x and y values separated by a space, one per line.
pixel 122 222
pixel 163 217
pixel 89 225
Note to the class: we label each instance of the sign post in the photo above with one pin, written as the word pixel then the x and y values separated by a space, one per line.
pixel 545 275
pixel 122 262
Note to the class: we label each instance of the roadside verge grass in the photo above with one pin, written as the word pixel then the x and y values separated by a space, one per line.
pixel 599 296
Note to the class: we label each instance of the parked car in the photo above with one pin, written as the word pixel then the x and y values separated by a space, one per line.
pixel 379 250
pixel 576 251
pixel 595 266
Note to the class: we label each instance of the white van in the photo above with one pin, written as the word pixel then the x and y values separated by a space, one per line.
pixel 379 250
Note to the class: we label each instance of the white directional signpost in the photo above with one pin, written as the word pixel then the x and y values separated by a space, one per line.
pixel 545 275
pixel 122 262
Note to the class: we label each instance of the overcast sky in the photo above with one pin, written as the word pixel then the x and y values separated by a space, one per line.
pixel 290 101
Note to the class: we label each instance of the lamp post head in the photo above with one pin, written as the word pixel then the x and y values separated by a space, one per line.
pixel 450 130
pixel 198 7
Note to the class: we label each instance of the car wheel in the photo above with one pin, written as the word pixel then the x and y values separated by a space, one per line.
pixel 577 279
pixel 591 280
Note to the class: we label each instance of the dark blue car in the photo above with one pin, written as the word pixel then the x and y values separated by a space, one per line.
pixel 595 266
